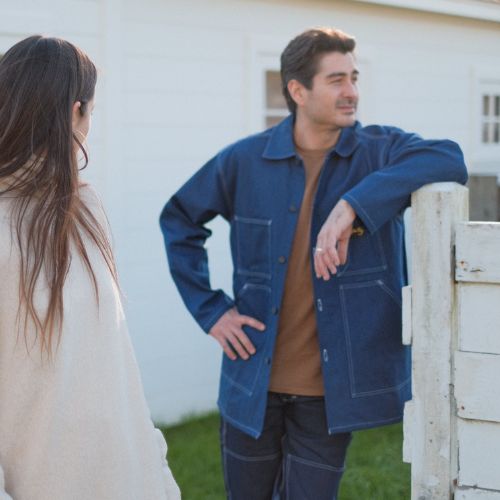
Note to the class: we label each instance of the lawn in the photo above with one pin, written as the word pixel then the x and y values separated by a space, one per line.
pixel 374 467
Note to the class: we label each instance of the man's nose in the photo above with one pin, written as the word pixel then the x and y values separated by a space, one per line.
pixel 350 90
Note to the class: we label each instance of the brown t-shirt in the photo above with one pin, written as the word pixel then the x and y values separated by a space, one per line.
pixel 297 364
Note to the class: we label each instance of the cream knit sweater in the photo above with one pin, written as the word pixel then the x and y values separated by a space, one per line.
pixel 76 427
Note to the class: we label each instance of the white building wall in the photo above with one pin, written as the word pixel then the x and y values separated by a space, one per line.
pixel 179 80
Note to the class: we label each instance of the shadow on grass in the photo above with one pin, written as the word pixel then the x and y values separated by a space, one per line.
pixel 374 467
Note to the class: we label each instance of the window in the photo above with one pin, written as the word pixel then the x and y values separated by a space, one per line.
pixel 275 104
pixel 484 128
pixel 490 133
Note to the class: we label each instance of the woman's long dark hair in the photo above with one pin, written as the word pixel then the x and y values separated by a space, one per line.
pixel 41 78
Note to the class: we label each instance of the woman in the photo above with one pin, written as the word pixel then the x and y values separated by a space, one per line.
pixel 73 418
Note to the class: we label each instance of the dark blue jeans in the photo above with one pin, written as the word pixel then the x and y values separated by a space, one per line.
pixel 294 458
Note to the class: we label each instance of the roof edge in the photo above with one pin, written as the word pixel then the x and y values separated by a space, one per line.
pixel 473 9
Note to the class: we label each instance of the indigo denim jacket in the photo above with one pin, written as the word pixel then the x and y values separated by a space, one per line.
pixel 257 185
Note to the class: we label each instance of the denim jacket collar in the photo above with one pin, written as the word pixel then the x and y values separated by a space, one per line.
pixel 281 146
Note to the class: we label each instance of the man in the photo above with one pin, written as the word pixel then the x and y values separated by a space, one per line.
pixel 312 338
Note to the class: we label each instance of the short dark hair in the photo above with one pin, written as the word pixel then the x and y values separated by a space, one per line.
pixel 299 60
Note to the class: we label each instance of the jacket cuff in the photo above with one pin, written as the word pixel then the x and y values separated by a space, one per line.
pixel 224 303
pixel 369 223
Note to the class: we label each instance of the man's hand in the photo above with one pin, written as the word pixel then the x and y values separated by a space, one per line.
pixel 333 240
pixel 230 335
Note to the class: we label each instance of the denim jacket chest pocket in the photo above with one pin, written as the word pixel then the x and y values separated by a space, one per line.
pixel 253 246
pixel 365 254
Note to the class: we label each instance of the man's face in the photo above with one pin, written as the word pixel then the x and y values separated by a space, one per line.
pixel 333 98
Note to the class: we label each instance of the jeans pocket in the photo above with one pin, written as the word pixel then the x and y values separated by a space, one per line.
pixel 371 314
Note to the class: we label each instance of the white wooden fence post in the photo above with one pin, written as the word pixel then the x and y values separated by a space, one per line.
pixel 429 426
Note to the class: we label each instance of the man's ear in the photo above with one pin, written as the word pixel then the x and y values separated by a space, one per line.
pixel 296 91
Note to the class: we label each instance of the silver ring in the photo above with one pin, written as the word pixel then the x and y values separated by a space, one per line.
pixel 318 249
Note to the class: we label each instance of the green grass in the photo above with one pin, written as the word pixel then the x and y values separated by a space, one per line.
pixel 374 467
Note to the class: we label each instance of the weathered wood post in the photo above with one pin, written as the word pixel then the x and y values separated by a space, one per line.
pixel 428 310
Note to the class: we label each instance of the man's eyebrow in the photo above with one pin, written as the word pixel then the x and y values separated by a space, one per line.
pixel 342 73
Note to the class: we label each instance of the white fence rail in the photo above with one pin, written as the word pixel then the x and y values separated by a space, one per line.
pixel 451 316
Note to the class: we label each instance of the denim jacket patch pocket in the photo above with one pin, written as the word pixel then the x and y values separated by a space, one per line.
pixel 252 300
pixel 377 359
pixel 253 246
pixel 365 254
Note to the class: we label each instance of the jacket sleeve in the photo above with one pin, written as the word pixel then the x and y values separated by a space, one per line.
pixel 182 222
pixel 3 494
pixel 409 163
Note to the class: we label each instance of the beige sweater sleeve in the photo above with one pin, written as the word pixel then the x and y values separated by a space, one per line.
pixel 3 493
pixel 173 491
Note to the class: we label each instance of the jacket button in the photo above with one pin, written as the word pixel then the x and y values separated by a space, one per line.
pixel 268 361
pixel 320 305
pixel 274 310
pixel 325 355
pixel 292 208
pixel 281 259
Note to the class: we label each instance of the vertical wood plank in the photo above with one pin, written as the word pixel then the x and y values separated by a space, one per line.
pixel 408 433
pixel 436 210
pixel 406 294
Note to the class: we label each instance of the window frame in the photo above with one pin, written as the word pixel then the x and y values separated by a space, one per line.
pixel 267 111
pixel 492 115
pixel 264 56
pixel 484 155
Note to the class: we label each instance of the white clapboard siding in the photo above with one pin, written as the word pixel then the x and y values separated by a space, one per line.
pixel 479 445
pixel 477 245
pixel 476 494
pixel 477 390
pixel 479 316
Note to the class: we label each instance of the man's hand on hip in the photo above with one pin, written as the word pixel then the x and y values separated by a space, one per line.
pixel 228 332
pixel 333 240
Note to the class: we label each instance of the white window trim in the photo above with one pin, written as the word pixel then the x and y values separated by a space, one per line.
pixel 482 78
pixel 265 54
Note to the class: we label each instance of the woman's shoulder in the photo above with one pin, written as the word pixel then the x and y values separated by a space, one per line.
pixel 88 193
pixel 91 199
pixel 6 206
pixel 7 233
pixel 93 202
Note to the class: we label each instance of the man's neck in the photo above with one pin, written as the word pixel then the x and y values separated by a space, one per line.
pixel 311 136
